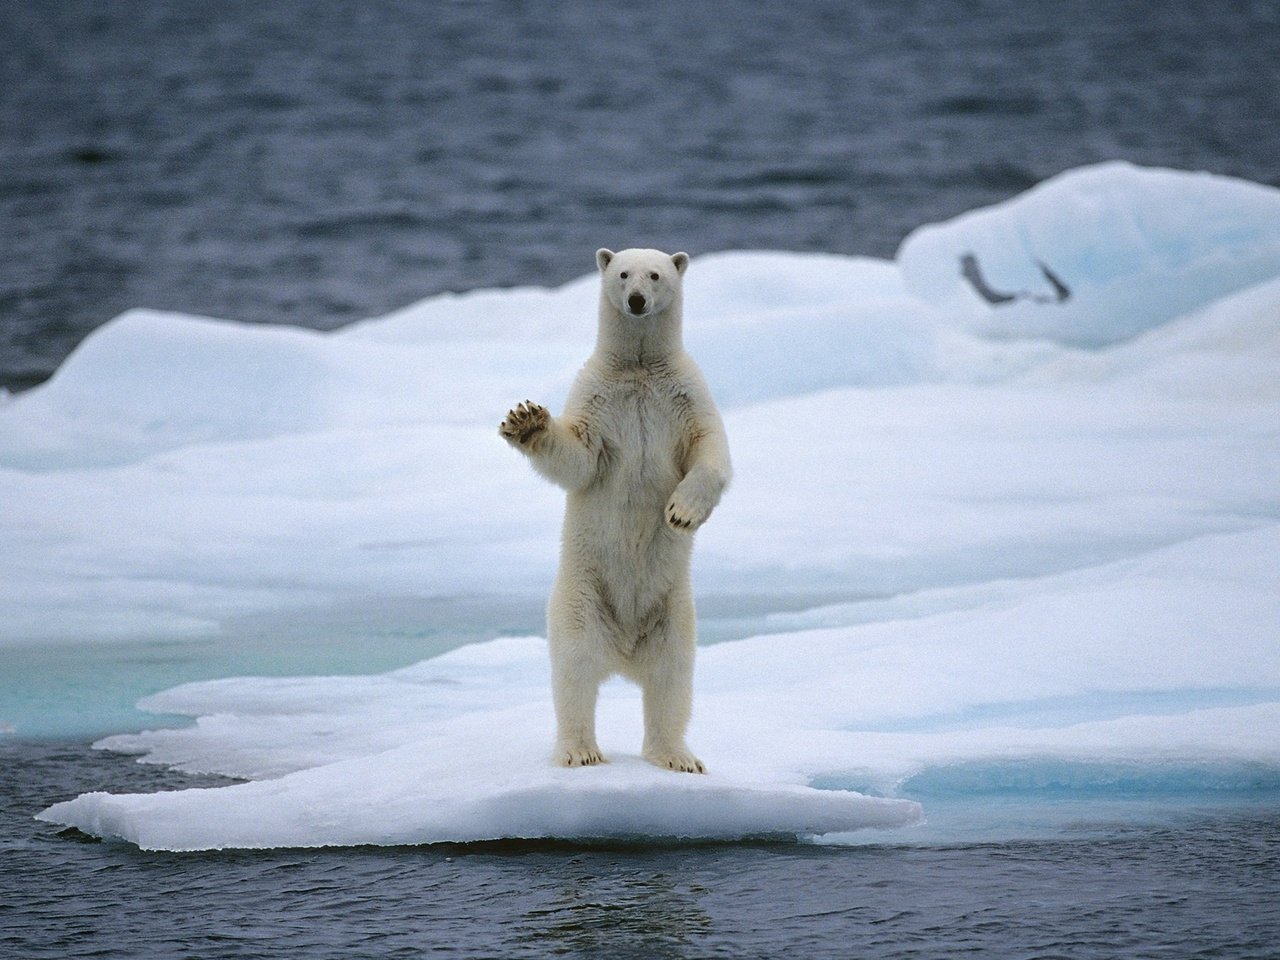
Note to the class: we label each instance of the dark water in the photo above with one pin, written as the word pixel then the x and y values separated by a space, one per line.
pixel 315 163
pixel 1202 884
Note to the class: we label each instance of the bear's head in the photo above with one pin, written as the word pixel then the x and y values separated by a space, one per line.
pixel 641 283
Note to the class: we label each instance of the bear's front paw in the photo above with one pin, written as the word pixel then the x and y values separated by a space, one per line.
pixel 680 760
pixel 686 512
pixel 523 424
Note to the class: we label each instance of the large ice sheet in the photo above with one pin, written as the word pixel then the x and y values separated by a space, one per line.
pixel 1197 618
pixel 1167 661
pixel 953 547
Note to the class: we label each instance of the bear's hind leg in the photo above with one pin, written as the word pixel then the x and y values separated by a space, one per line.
pixel 666 715
pixel 575 685
pixel 667 682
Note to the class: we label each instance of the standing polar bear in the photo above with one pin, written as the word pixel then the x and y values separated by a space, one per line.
pixel 642 453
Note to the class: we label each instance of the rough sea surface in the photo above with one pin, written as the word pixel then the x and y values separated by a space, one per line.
pixel 315 164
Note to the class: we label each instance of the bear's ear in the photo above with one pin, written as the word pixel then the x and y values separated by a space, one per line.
pixel 603 257
pixel 681 260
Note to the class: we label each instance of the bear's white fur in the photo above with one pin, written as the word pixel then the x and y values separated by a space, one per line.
pixel 642 453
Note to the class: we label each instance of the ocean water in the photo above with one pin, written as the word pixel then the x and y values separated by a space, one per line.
pixel 1195 880
pixel 315 165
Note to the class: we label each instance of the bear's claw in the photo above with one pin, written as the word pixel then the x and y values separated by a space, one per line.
pixel 680 761
pixel 581 756
pixel 680 516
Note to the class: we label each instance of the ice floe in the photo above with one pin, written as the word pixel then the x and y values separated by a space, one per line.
pixel 967 533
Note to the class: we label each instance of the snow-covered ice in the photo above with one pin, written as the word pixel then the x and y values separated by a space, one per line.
pixel 973 540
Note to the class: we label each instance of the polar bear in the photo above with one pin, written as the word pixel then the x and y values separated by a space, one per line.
pixel 642 453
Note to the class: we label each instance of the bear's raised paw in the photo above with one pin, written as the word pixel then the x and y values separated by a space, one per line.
pixel 523 423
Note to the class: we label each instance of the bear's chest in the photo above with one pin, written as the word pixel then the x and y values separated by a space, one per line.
pixel 642 427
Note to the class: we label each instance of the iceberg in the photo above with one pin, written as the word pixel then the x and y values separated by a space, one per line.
pixel 1097 255
pixel 974 544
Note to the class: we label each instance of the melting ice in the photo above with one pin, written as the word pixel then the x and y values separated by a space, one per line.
pixel 1030 468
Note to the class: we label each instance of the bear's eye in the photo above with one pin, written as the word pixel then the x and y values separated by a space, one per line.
pixel 622 275
pixel 653 276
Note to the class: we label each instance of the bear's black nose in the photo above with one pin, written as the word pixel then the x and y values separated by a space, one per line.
pixel 636 303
